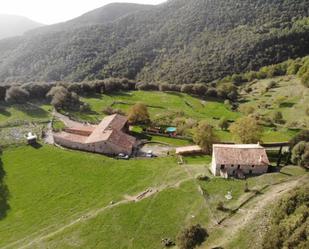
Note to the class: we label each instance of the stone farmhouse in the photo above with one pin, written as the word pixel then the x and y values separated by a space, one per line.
pixel 109 137
pixel 239 160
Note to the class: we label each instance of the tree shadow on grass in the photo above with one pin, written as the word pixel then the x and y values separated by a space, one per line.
pixel 4 112
pixel 32 110
pixel 36 145
pixel 4 193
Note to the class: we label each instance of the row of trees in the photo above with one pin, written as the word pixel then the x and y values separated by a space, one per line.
pixel 20 93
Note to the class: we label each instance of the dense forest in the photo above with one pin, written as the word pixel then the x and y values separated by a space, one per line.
pixel 180 41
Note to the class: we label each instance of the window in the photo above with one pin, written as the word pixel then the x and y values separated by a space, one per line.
pixel 222 166
pixel 238 167
pixel 232 165
pixel 252 166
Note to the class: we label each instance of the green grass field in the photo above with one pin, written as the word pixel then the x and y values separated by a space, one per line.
pixel 161 103
pixel 289 97
pixel 31 112
pixel 49 188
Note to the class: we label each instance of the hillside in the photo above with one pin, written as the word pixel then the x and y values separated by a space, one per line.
pixel 178 42
pixel 11 25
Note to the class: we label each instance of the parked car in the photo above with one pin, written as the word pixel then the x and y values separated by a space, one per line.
pixel 150 154
pixel 123 156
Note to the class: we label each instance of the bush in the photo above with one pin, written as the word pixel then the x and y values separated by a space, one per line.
pixel 223 124
pixel 191 237
pixel 138 114
pixel 37 90
pixel 301 136
pixel 300 154
pixel 62 99
pixel 147 87
pixel 305 79
pixel 277 117
pixel 110 111
pixel 289 222
pixel 16 94
pixel 2 93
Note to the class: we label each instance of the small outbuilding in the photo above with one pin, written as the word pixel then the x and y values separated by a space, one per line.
pixel 31 138
pixel 239 160
pixel 189 150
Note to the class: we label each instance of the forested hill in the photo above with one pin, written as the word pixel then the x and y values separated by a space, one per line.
pixel 11 25
pixel 180 41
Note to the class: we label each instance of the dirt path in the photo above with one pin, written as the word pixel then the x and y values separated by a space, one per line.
pixel 66 120
pixel 49 138
pixel 29 241
pixel 247 213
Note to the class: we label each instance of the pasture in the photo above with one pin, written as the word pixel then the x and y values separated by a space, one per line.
pixel 67 199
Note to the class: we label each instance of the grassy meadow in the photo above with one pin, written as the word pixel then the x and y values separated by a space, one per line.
pixel 50 188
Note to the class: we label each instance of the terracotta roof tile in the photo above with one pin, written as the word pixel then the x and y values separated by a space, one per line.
pixel 240 154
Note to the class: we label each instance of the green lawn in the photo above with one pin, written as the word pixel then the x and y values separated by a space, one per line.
pixel 49 187
pixel 161 103
pixel 289 97
pixel 32 112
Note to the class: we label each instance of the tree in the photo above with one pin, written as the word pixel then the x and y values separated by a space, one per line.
pixel 301 136
pixel 223 123
pixel 277 117
pixel 204 136
pixel 246 130
pixel 16 94
pixel 191 237
pixel 305 79
pixel 246 109
pixel 61 98
pixel 300 154
pixel 139 114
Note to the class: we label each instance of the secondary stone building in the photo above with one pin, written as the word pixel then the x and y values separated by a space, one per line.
pixel 109 137
pixel 239 160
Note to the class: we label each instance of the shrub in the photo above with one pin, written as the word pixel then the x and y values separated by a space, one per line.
pixel 300 154
pixel 305 79
pixel 204 135
pixel 246 130
pixel 16 94
pixel 277 117
pixel 191 237
pixel 110 111
pixel 147 87
pixel 139 114
pixel 62 99
pixel 37 90
pixel 2 93
pixel 301 136
pixel 223 123
pixel 246 109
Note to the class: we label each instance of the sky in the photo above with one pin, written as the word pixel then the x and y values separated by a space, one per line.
pixel 54 11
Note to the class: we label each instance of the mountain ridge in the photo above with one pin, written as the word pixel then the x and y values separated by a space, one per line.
pixel 13 25
pixel 177 41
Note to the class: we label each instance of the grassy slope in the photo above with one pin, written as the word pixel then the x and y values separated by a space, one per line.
pixel 289 97
pixel 167 103
pixel 63 185
pixel 32 112
pixel 163 103
pixel 60 184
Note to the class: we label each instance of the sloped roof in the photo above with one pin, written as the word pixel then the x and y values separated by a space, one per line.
pixel 240 154
pixel 188 149
pixel 109 130
pixel 71 137
pixel 103 131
